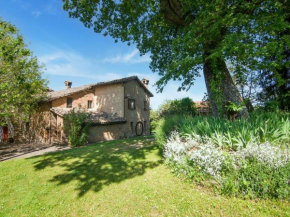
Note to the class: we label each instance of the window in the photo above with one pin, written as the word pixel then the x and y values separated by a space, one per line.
pixel 27 124
pixel 131 104
pixel 145 123
pixel 69 102
pixel 132 127
pixel 90 104
pixel 145 105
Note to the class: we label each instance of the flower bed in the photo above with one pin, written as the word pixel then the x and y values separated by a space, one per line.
pixel 256 170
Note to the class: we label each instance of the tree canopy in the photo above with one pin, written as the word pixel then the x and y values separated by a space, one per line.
pixel 21 84
pixel 185 36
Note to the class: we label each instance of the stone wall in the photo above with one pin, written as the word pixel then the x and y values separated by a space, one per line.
pixel 39 123
pixel 105 132
pixel 80 100
pixel 110 99
pixel 133 90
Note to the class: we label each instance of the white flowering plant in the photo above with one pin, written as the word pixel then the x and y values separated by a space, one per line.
pixel 239 171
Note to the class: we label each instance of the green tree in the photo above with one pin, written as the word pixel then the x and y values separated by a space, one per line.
pixel 21 84
pixel 184 106
pixel 185 36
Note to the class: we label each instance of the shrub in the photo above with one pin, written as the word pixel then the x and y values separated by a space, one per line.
pixel 153 120
pixel 272 106
pixel 165 116
pixel 253 171
pixel 255 179
pixel 249 158
pixel 261 127
pixel 77 123
pixel 183 106
pixel 167 125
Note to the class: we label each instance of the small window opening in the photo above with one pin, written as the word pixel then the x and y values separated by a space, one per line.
pixel 131 104
pixel 90 104
pixel 69 102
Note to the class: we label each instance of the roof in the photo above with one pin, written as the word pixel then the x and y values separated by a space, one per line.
pixel 201 104
pixel 96 117
pixel 62 93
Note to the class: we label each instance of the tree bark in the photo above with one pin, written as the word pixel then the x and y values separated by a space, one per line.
pixel 220 86
pixel 214 70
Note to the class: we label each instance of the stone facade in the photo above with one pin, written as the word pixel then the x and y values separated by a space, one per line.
pixel 134 91
pixel 106 132
pixel 111 98
pixel 131 90
pixel 79 100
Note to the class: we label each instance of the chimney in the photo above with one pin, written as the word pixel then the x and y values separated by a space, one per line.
pixel 67 84
pixel 145 82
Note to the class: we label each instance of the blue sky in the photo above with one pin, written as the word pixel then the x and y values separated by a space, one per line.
pixel 72 52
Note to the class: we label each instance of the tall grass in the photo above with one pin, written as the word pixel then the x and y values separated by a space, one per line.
pixel 261 127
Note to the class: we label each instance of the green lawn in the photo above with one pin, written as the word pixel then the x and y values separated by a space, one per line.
pixel 120 178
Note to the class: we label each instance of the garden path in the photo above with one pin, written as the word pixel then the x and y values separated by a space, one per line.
pixel 24 150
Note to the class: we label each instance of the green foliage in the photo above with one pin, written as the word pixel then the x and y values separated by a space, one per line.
pixel 153 120
pixel 244 33
pixel 76 124
pixel 166 126
pixel 254 179
pixel 21 84
pixel 246 150
pixel 233 110
pixel 171 111
pixel 272 106
pixel 183 106
pixel 271 127
pixel 114 178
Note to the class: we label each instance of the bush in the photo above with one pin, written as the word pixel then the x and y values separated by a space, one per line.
pixel 183 106
pixel 77 123
pixel 255 171
pixel 250 158
pixel 255 179
pixel 153 120
pixel 167 125
pixel 261 127
pixel 170 108
pixel 272 106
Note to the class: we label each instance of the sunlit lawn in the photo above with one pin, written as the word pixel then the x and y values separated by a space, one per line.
pixel 121 178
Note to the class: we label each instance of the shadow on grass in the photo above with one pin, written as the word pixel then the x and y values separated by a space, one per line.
pixel 101 164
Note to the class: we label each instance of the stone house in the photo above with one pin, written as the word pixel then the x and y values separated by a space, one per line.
pixel 119 108
pixel 202 108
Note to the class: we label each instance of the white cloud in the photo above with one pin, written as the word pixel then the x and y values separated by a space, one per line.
pixel 36 13
pixel 70 63
pixel 129 58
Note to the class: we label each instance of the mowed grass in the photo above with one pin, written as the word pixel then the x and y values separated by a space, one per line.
pixel 119 178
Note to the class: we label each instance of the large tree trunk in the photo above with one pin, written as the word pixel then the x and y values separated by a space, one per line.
pixel 220 86
pixel 219 83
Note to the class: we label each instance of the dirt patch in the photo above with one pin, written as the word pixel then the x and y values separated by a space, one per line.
pixel 15 150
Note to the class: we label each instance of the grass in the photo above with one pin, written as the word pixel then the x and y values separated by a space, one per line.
pixel 119 178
